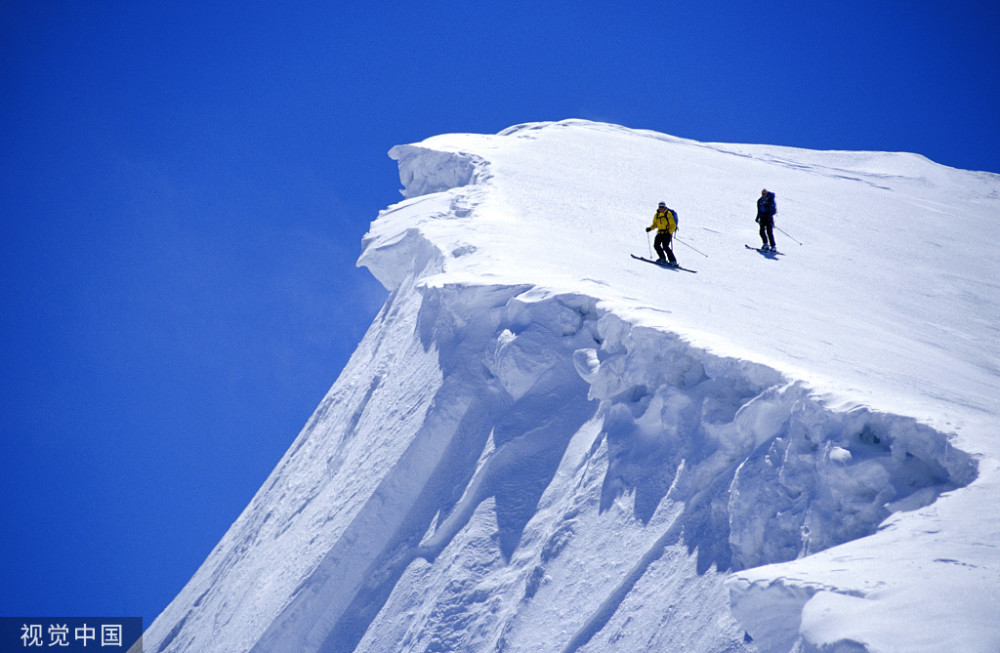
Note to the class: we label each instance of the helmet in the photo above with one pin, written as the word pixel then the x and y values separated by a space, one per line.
pixel 663 205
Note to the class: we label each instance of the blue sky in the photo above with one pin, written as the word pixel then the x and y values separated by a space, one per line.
pixel 186 186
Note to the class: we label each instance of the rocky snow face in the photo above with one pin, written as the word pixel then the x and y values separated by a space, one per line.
pixel 541 445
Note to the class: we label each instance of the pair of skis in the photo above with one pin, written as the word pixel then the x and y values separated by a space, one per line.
pixel 765 252
pixel 662 265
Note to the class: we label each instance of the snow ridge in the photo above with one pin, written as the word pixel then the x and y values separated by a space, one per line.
pixel 530 453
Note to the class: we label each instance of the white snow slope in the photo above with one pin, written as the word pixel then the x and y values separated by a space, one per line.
pixel 543 444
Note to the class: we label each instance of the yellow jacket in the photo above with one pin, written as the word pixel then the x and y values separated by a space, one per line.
pixel 664 220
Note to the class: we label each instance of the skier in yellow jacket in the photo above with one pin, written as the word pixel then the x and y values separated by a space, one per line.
pixel 665 223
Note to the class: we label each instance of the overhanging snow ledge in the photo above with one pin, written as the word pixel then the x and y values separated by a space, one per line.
pixel 423 171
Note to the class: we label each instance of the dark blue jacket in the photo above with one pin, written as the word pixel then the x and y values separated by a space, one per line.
pixel 766 207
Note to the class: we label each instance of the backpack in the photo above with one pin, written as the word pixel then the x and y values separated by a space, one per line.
pixel 768 206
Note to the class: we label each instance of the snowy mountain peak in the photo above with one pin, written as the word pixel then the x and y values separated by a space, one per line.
pixel 543 444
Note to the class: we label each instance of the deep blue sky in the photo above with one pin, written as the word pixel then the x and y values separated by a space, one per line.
pixel 185 186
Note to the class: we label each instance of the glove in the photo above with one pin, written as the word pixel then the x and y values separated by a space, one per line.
pixel 648 229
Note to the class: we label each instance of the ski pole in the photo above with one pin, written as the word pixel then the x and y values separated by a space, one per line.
pixel 786 233
pixel 694 248
pixel 650 244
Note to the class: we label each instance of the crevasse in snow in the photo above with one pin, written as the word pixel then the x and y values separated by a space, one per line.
pixel 540 446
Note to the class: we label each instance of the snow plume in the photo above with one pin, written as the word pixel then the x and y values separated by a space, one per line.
pixel 541 445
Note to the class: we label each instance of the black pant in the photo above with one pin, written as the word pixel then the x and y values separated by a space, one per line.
pixel 661 243
pixel 767 231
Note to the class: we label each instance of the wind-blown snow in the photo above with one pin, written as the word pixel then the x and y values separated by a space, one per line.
pixel 544 445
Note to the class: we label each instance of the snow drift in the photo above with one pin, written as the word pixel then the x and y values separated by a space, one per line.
pixel 543 445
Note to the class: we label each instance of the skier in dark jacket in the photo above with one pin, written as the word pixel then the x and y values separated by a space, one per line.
pixel 665 223
pixel 766 208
